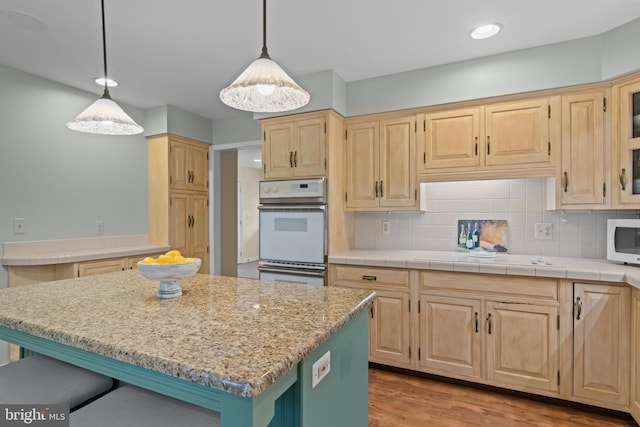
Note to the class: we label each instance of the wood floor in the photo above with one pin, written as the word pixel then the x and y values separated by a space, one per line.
pixel 400 400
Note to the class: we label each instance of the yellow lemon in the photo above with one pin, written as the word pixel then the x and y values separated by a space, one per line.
pixel 173 253
pixel 165 259
pixel 189 260
pixel 148 260
pixel 178 259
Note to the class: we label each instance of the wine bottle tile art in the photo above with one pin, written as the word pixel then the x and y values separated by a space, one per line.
pixel 487 234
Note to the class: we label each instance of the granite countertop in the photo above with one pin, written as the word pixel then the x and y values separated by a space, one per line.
pixel 78 255
pixel 232 334
pixel 520 265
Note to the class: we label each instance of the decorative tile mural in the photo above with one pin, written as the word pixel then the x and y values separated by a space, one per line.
pixel 487 234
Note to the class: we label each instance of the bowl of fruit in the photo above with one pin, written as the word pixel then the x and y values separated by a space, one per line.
pixel 169 268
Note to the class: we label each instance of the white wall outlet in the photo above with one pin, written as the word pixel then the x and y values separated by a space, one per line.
pixel 543 231
pixel 18 225
pixel 320 369
pixel 99 228
pixel 386 227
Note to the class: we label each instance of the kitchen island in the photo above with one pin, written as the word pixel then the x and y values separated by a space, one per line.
pixel 242 347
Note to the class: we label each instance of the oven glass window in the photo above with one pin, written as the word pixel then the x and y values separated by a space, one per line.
pixel 290 224
pixel 627 240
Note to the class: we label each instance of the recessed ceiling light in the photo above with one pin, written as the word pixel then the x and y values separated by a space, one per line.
pixel 110 83
pixel 485 31
pixel 257 160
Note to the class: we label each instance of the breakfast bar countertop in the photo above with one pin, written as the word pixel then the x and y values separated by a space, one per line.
pixel 231 334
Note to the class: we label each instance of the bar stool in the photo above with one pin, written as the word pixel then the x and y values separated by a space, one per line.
pixel 42 380
pixel 130 406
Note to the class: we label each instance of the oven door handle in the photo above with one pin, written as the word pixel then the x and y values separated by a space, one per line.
pixel 301 208
pixel 319 273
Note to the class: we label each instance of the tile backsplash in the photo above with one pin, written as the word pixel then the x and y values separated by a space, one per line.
pixel 521 202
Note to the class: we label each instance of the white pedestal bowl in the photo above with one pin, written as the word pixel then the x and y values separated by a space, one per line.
pixel 169 276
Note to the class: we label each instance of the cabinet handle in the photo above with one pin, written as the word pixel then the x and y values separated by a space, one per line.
pixel 291 158
pixel 476 146
pixel 489 323
pixel 623 179
pixel 488 144
pixel 578 308
pixel 295 159
pixel 369 278
pixel 476 321
pixel 376 189
pixel 371 311
pixel 381 189
pixel 566 182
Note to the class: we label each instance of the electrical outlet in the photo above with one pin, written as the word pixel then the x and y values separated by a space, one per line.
pixel 543 231
pixel 18 225
pixel 99 228
pixel 320 369
pixel 386 227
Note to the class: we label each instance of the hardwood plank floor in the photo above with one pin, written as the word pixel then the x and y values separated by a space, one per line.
pixel 401 400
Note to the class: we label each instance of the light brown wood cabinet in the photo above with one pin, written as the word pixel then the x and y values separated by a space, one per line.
pixel 179 195
pixel 295 146
pixel 487 140
pixel 389 320
pixel 582 180
pixel 635 354
pixel 380 165
pixel 498 330
pixel 626 134
pixel 601 334
pixel 102 266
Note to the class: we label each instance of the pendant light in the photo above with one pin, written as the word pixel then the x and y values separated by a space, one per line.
pixel 104 116
pixel 264 87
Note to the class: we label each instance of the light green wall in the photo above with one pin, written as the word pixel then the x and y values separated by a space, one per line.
pixel 59 180
pixel 170 119
pixel 236 129
pixel 620 53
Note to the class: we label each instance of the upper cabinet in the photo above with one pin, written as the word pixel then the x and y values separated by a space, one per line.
pixel 488 141
pixel 627 134
pixel 189 164
pixel 380 164
pixel 295 146
pixel 582 180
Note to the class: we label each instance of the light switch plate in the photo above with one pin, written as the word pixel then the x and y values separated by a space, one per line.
pixel 18 225
pixel 386 227
pixel 320 369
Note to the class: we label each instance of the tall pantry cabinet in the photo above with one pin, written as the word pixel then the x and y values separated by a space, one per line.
pixel 179 195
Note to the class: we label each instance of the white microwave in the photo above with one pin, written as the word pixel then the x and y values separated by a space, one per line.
pixel 623 240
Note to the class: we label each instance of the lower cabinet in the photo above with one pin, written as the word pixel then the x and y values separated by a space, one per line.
pixel 495 336
pixel 635 355
pixel 601 332
pixel 389 320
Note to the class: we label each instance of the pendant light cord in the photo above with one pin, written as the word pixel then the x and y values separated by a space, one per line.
pixel 265 53
pixel 104 54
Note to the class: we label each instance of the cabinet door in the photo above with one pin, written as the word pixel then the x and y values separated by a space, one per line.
pixel 199 167
pixel 277 151
pixel 517 133
pixel 450 336
pixel 389 329
pixel 628 173
pixel 635 354
pixel 199 230
pixel 522 345
pixel 583 149
pixel 179 222
pixel 179 165
pixel 91 268
pixel 601 343
pixel 452 139
pixel 398 163
pixel 309 158
pixel 362 165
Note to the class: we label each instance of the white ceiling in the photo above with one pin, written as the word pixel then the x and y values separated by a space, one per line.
pixel 182 53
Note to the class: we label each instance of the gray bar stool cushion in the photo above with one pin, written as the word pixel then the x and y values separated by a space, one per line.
pixel 131 406
pixel 42 380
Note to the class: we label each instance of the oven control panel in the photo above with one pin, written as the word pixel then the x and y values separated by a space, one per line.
pixel 312 189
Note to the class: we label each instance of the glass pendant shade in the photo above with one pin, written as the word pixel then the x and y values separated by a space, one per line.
pixel 105 117
pixel 264 87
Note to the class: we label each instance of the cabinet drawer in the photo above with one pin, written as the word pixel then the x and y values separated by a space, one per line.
pixel 490 285
pixel 368 277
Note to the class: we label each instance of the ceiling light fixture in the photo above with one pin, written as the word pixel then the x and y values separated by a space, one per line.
pixel 264 87
pixel 104 116
pixel 485 31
